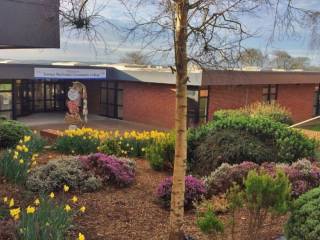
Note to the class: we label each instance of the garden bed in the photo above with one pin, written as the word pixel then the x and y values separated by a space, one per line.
pixel 132 213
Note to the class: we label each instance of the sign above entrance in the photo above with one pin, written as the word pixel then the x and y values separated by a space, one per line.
pixel 70 73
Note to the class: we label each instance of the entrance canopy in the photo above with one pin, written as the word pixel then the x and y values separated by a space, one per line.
pixel 69 74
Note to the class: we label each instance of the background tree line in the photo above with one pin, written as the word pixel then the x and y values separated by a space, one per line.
pixel 277 59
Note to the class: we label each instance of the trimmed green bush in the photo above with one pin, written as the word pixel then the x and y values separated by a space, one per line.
pixel 304 220
pixel 230 146
pixel 55 174
pixel 290 144
pixel 11 132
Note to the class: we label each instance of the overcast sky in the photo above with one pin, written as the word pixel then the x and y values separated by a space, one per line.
pixel 78 49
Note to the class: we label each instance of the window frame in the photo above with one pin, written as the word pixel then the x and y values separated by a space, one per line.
pixel 269 97
pixel 11 91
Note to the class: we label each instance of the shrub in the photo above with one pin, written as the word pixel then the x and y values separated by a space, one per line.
pixel 118 171
pixel 160 153
pixel 272 111
pixel 303 175
pixel 225 113
pixel 154 156
pixel 289 143
pixel 11 132
pixel 48 221
pixel 230 146
pixel 220 180
pixel 194 190
pixel 55 174
pixel 208 222
pixel 304 220
pixel 16 163
pixel 265 194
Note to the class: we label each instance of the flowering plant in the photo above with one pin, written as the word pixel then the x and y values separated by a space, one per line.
pixel 194 191
pixel 16 163
pixel 110 168
pixel 303 175
pixel 130 143
pixel 45 218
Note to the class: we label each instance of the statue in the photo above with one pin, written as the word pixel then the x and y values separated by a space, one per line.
pixel 77 98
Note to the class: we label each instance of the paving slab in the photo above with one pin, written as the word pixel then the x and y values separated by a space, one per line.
pixel 41 121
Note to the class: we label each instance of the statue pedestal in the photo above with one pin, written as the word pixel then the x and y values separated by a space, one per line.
pixel 72 127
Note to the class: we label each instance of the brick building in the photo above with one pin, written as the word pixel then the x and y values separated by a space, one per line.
pixel 147 95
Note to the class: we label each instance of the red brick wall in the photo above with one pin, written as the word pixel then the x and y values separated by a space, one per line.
pixel 152 104
pixel 232 97
pixel 298 98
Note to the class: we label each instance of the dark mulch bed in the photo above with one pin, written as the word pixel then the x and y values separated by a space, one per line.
pixel 132 213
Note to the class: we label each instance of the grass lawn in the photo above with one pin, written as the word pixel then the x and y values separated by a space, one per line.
pixel 313 127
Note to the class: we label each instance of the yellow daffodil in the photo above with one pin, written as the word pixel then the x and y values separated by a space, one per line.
pixel 27 138
pixel 83 209
pixel 19 148
pixel 67 208
pixel 5 199
pixel 37 202
pixel 21 161
pixel 81 237
pixel 66 188
pixel 15 213
pixel 11 203
pixel 31 210
pixel 74 199
pixel 51 195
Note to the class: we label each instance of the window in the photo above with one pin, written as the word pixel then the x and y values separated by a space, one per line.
pixel 111 99
pixel 203 106
pixel 197 106
pixel 316 102
pixel 6 100
pixel 270 93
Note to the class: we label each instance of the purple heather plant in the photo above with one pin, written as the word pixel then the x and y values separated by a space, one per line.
pixel 303 175
pixel 195 190
pixel 118 171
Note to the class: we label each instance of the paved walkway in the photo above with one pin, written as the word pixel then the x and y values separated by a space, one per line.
pixel 42 121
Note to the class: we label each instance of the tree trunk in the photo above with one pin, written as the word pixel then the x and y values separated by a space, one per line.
pixel 178 188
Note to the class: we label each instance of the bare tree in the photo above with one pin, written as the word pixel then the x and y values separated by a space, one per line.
pixel 135 58
pixel 84 19
pixel 209 33
pixel 284 60
pixel 252 57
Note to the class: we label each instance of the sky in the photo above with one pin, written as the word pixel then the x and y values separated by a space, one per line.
pixel 115 48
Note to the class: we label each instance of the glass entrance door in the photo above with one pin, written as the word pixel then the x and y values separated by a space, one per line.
pixel 111 97
pixel 23 96
pixel 39 96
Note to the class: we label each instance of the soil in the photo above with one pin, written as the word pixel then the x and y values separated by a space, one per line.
pixel 133 213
